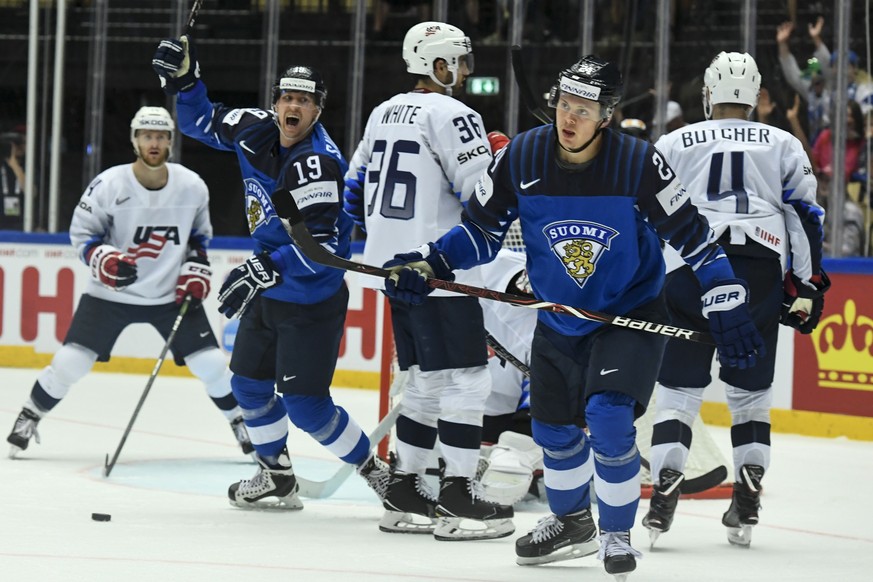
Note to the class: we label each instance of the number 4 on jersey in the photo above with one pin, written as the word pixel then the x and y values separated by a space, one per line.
pixel 737 186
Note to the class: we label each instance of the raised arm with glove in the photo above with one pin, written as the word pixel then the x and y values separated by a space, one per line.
pixel 175 62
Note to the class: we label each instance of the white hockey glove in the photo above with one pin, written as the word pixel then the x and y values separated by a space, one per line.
pixel 245 282
pixel 112 267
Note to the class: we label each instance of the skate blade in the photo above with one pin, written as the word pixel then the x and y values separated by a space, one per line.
pixel 453 529
pixel 406 523
pixel 620 577
pixel 653 537
pixel 13 451
pixel 291 503
pixel 740 536
pixel 567 553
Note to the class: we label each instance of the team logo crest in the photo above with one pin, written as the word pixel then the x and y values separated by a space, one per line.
pixel 579 244
pixel 259 207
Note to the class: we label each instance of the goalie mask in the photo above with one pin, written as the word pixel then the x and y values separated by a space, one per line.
pixel 155 119
pixel 428 41
pixel 731 78
pixel 590 78
pixel 300 78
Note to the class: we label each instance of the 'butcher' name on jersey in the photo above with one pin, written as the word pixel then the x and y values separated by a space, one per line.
pixel 742 134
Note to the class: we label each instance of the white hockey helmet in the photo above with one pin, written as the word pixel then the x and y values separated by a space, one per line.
pixel 731 78
pixel 428 41
pixel 154 118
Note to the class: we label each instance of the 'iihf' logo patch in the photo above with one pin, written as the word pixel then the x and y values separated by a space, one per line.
pixel 579 245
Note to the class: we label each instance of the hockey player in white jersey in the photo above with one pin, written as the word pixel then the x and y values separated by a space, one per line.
pixel 514 460
pixel 143 229
pixel 407 183
pixel 755 185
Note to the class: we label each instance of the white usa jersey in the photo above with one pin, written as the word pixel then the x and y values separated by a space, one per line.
pixel 417 163
pixel 513 327
pixel 155 227
pixel 753 181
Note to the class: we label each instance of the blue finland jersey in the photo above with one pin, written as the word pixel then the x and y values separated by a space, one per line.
pixel 593 233
pixel 311 172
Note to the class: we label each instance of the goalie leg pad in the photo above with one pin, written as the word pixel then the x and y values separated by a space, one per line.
pixel 512 462
pixel 456 529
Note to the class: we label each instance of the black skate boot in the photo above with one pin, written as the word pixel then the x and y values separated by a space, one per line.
pixel 619 558
pixel 375 472
pixel 242 436
pixel 24 428
pixel 558 538
pixel 272 487
pixel 662 507
pixel 745 503
pixel 409 504
pixel 462 498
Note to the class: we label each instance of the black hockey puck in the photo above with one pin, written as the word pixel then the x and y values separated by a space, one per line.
pixel 101 516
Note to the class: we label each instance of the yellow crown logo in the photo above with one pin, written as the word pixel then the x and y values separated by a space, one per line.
pixel 842 364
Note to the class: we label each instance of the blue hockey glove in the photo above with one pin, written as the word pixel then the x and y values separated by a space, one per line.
pixel 175 62
pixel 739 344
pixel 802 305
pixel 410 272
pixel 245 282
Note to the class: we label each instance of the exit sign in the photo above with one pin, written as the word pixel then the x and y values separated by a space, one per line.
pixel 483 85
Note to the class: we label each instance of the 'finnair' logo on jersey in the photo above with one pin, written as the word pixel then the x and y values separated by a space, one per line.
pixel 259 207
pixel 149 241
pixel 579 244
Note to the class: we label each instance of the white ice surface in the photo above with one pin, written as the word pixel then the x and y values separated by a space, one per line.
pixel 171 520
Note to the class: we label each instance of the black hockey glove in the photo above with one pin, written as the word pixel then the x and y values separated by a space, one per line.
pixel 410 272
pixel 175 62
pixel 726 307
pixel 801 305
pixel 245 282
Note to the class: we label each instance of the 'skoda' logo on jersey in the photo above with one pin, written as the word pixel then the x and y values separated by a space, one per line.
pixel 579 245
pixel 149 241
pixel 259 208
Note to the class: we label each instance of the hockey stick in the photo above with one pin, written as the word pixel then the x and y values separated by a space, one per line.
pixel 322 489
pixel 182 311
pixel 296 228
pixel 699 484
pixel 192 17
pixel 524 87
pixel 506 355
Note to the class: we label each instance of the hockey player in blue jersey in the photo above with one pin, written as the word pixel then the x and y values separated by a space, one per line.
pixel 594 207
pixel 292 310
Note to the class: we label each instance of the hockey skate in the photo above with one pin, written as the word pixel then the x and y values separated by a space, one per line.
pixel 375 472
pixel 619 558
pixel 460 499
pixel 24 428
pixel 409 505
pixel 511 465
pixel 558 538
pixel 745 503
pixel 662 507
pixel 272 487
pixel 242 437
